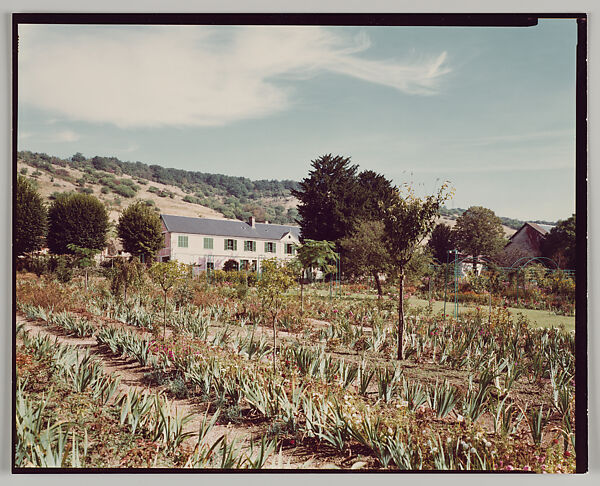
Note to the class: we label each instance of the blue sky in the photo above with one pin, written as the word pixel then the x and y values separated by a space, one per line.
pixel 492 110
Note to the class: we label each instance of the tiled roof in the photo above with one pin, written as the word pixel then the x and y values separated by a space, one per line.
pixel 227 227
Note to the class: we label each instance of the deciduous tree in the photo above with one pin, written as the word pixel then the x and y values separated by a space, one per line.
pixel 478 231
pixel 31 218
pixel 408 220
pixel 78 219
pixel 140 231
pixel 559 244
pixel 275 280
pixel 366 253
pixel 166 275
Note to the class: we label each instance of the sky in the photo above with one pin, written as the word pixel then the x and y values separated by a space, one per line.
pixel 492 110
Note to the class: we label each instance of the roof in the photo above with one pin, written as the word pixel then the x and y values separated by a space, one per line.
pixel 542 229
pixel 227 227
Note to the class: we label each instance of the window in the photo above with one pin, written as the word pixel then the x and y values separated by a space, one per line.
pixel 270 247
pixel 244 265
pixel 230 244
pixel 290 248
pixel 210 265
pixel 208 243
pixel 182 241
pixel 249 245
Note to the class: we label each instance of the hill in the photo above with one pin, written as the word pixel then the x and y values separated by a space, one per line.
pixel 177 191
pixel 173 191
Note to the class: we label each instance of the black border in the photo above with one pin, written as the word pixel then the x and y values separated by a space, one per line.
pixel 349 19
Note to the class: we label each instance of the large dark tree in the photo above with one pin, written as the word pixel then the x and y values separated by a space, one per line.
pixel 78 219
pixel 478 231
pixel 326 198
pixel 140 231
pixel 440 242
pixel 30 225
pixel 375 192
pixel 559 244
pixel 335 198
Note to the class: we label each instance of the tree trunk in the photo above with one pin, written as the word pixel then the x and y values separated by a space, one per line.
pixel 400 314
pixel 165 318
pixel 378 284
pixel 274 344
pixel 302 294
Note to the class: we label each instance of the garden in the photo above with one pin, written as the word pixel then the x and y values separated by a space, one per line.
pixel 136 367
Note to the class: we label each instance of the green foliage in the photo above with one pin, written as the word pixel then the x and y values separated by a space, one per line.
pixel 478 231
pixel 318 255
pixel 560 243
pixel 365 251
pixel 79 219
pixel 334 197
pixel 140 231
pixel 30 225
pixel 408 220
pixel 166 275
pixel 124 275
pixel 440 242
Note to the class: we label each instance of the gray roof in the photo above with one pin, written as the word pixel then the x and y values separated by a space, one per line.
pixel 227 227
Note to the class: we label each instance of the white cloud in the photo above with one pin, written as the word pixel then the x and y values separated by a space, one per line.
pixel 64 136
pixel 194 76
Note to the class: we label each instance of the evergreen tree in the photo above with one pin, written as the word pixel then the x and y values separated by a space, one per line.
pixel 326 198
pixel 140 231
pixel 441 241
pixel 30 224
pixel 78 219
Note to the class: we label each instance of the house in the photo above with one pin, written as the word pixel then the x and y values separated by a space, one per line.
pixel 209 243
pixel 525 243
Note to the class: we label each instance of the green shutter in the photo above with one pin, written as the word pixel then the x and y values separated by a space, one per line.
pixel 235 245
pixel 254 246
pixel 225 244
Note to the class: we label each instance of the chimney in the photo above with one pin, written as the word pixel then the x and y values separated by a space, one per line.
pixel 251 222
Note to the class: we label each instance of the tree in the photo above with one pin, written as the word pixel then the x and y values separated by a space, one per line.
pixel 79 219
pixel 366 253
pixel 275 280
pixel 318 255
pixel 440 242
pixel 326 198
pixel 84 258
pixel 408 220
pixel 31 218
pixel 166 275
pixel 478 231
pixel 335 197
pixel 560 243
pixel 140 231
pixel 124 274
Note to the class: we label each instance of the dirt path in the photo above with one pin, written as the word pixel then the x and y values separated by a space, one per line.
pixel 131 375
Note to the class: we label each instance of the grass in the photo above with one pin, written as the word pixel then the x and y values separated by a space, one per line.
pixel 537 318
